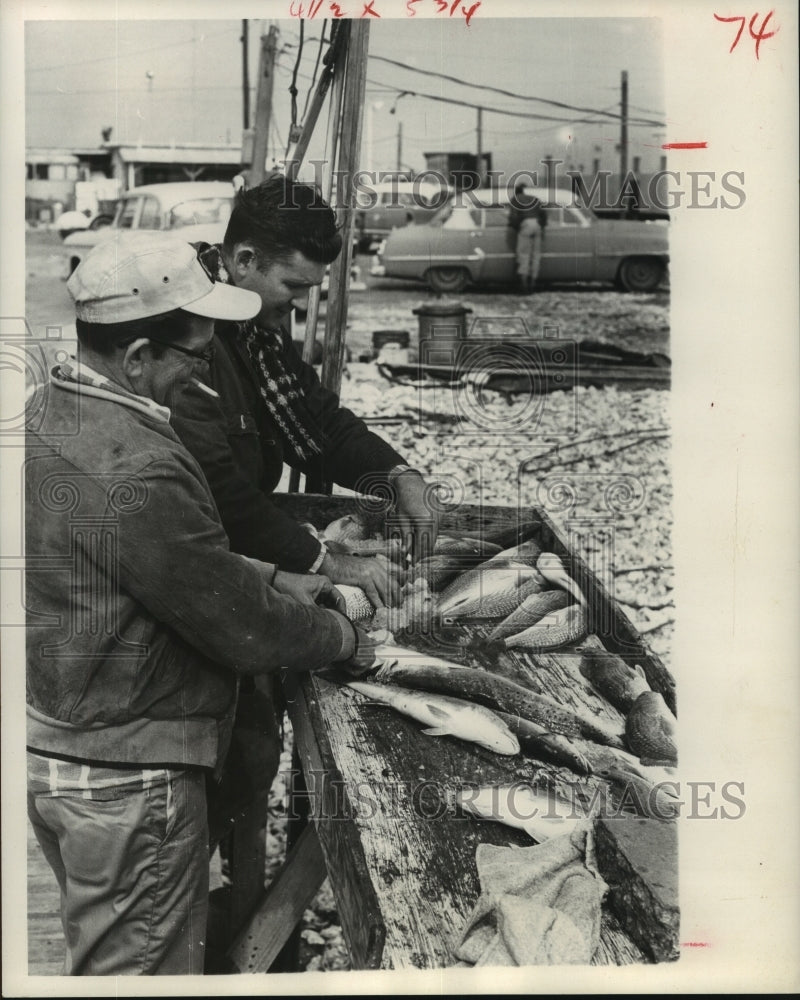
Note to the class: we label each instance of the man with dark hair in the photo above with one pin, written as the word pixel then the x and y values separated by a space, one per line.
pixel 263 405
pixel 140 618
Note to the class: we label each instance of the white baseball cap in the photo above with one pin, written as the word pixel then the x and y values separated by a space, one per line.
pixel 135 275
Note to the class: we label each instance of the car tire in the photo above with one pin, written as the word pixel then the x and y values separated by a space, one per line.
pixel 641 274
pixel 446 280
pixel 101 221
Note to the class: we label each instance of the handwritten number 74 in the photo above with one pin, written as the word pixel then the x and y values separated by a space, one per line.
pixel 757 36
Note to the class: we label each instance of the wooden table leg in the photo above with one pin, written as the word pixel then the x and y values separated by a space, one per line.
pixel 298 810
pixel 275 921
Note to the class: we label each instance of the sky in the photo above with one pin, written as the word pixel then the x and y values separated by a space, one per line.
pixel 181 80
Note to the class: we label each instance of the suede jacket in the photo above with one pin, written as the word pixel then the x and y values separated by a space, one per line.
pixel 140 617
pixel 239 447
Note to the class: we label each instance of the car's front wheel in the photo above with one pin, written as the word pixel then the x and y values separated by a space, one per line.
pixel 101 221
pixel 447 279
pixel 641 274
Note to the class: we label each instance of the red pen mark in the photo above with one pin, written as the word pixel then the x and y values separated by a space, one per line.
pixel 410 7
pixel 313 9
pixel 685 145
pixel 368 9
pixel 336 11
pixel 758 37
pixel 730 20
pixel 468 13
pixel 762 34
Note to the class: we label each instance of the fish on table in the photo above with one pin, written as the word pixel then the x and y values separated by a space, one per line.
pixel 429 673
pixel 349 528
pixel 444 716
pixel 526 552
pixel 650 730
pixel 553 570
pixel 533 610
pixel 441 568
pixel 563 627
pixel 358 607
pixel 466 545
pixel 489 591
pixel 540 814
pixel 619 683
pixel 535 740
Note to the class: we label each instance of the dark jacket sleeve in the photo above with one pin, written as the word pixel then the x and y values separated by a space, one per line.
pixel 351 451
pixel 254 525
pixel 173 558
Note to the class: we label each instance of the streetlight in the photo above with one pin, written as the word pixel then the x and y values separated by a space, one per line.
pixel 392 111
pixel 149 74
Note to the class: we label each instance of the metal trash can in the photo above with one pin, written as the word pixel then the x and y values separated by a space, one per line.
pixel 442 328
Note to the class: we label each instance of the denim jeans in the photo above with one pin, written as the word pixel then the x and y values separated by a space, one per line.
pixel 133 867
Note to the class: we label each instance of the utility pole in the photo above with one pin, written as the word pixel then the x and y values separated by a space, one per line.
pixel 480 147
pixel 245 78
pixel 623 136
pixel 266 79
pixel 399 146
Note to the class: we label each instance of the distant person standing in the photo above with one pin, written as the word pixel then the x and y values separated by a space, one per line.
pixel 527 217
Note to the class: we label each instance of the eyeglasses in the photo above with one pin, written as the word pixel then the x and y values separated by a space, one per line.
pixel 206 356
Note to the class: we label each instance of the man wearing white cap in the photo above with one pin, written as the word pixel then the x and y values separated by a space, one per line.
pixel 140 618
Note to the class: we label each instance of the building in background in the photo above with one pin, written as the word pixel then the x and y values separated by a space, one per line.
pixel 90 180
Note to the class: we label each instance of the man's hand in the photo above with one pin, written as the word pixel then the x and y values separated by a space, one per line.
pixel 379 577
pixel 416 515
pixel 364 657
pixel 309 588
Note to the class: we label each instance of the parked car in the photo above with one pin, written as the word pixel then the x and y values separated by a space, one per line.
pixel 642 214
pixel 382 207
pixel 200 208
pixel 73 221
pixel 469 242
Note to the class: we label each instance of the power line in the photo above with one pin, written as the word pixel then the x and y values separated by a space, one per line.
pixel 499 90
pixel 123 90
pixel 128 55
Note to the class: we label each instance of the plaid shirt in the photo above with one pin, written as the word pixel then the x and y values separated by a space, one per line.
pixel 277 383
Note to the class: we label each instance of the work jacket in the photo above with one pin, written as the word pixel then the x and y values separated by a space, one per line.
pixel 139 615
pixel 241 449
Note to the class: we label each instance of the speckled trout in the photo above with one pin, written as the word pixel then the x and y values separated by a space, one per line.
pixel 444 716
pixel 429 673
pixel 492 590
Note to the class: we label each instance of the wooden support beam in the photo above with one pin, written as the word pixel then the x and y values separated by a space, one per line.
pixel 333 69
pixel 266 79
pixel 273 921
pixel 347 165
pixel 337 63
